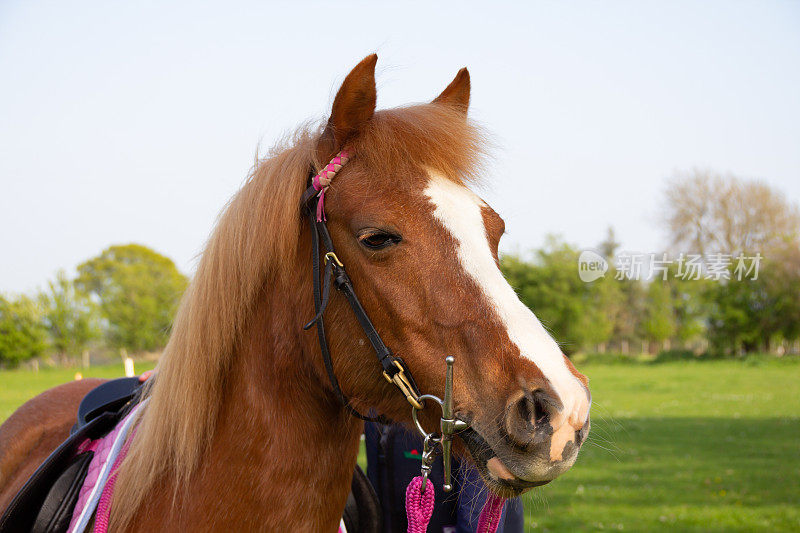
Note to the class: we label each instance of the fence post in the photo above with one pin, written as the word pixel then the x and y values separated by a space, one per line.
pixel 129 372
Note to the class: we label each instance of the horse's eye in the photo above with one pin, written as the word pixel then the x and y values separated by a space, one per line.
pixel 378 240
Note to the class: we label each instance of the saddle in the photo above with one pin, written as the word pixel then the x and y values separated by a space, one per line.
pixel 47 500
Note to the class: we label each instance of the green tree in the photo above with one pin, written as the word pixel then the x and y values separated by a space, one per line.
pixel 575 312
pixel 659 316
pixel 781 280
pixel 69 316
pixel 609 245
pixel 137 291
pixel 690 306
pixel 628 323
pixel 22 335
pixel 733 326
pixel 752 314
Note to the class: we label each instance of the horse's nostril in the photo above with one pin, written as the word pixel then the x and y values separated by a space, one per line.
pixel 542 404
pixel 530 417
pixel 525 406
pixel 534 409
pixel 583 432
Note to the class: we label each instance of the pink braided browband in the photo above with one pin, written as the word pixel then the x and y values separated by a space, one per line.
pixel 322 180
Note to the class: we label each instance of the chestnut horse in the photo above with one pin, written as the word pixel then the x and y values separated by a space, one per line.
pixel 243 430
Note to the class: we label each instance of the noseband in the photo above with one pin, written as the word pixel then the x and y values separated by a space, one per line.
pixel 395 370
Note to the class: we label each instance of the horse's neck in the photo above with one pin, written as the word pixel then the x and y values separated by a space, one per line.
pixel 284 450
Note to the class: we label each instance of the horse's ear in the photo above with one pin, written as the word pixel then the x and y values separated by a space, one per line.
pixel 457 93
pixel 353 106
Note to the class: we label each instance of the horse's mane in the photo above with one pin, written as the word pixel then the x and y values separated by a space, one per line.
pixel 254 243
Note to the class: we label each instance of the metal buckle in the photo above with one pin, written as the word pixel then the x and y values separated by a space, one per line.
pixel 428 456
pixel 400 380
pixel 332 256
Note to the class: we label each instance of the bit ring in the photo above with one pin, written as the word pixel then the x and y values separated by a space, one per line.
pixel 414 411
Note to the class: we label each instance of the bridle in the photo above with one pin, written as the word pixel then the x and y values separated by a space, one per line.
pixel 394 368
pixel 419 501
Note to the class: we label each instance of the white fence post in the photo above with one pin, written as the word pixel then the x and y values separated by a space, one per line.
pixel 129 372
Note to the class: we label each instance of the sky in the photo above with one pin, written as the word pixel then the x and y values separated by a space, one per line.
pixel 137 121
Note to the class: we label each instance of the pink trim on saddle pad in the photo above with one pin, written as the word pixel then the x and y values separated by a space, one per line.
pixel 98 472
pixel 103 515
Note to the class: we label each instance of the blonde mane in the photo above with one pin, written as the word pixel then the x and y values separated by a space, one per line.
pixel 255 242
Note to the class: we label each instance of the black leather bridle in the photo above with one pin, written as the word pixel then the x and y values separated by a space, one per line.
pixel 395 370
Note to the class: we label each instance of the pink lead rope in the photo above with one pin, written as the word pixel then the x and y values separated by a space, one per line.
pixel 419 508
pixel 490 514
pixel 322 180
pixel 419 505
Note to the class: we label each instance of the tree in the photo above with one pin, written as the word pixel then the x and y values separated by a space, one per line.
pixel 575 312
pixel 137 291
pixel 610 244
pixel 690 305
pixel 628 321
pixel 22 335
pixel 68 315
pixel 734 316
pixel 752 314
pixel 707 213
pixel 781 279
pixel 659 315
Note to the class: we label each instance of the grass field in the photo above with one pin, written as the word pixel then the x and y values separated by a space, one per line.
pixel 19 386
pixel 688 446
pixel 681 446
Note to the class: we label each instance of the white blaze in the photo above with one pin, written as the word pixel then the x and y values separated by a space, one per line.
pixel 459 210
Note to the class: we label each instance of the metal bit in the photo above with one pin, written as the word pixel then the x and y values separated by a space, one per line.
pixel 449 424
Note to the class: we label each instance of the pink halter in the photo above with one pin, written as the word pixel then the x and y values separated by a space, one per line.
pixel 322 181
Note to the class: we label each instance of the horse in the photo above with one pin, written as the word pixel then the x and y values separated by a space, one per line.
pixel 244 429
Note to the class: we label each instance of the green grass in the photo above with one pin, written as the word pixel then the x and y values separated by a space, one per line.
pixel 19 386
pixel 688 446
pixel 677 446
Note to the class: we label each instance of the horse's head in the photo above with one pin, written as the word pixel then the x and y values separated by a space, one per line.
pixel 422 251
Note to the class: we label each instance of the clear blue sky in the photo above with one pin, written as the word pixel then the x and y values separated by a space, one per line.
pixel 136 121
